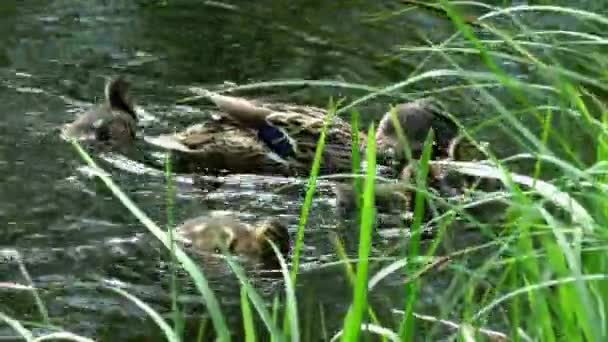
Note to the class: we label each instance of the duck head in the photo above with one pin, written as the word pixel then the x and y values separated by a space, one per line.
pixel 111 123
pixel 416 119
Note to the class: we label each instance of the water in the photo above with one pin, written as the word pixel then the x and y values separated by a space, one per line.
pixel 73 235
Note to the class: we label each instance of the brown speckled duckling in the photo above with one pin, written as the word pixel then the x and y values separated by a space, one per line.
pixel 389 197
pixel 112 123
pixel 444 178
pixel 218 229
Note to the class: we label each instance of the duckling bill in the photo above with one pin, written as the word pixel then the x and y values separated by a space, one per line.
pixel 221 230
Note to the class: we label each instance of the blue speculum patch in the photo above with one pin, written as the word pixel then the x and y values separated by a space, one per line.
pixel 277 140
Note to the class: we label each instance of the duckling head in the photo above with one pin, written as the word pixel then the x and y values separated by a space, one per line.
pixel 416 119
pixel 112 122
pixel 272 230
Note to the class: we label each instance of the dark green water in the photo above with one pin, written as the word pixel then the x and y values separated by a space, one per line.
pixel 68 229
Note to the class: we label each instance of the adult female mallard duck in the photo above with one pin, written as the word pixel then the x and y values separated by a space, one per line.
pixel 110 123
pixel 253 137
pixel 222 230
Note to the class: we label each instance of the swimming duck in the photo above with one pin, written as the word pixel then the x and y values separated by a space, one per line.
pixel 253 137
pixel 110 123
pixel 221 229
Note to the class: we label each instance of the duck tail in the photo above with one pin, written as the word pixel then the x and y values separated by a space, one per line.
pixel 117 95
pixel 242 110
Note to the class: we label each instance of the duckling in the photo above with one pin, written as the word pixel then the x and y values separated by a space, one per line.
pixel 444 178
pixel 389 197
pixel 111 123
pixel 416 119
pixel 221 229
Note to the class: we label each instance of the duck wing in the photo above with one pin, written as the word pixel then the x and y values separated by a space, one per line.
pixel 220 146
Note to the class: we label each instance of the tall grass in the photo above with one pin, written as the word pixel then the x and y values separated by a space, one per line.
pixel 543 273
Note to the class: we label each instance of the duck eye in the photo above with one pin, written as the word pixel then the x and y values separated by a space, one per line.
pixel 217 250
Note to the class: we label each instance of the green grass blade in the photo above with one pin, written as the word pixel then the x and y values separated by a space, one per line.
pixel 193 270
pixel 354 319
pixel 44 313
pixel 290 294
pixel 256 299
pixel 406 330
pixel 248 326
pixel 17 326
pixel 310 192
pixel 178 322
pixel 155 316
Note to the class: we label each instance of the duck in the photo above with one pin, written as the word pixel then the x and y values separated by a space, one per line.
pixel 112 123
pixel 249 136
pixel 221 230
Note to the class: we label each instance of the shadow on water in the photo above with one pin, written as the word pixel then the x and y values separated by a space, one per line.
pixel 69 230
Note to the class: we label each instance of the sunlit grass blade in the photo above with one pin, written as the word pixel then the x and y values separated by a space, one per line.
pixel 63 336
pixel 290 295
pixel 352 276
pixel 354 318
pixel 310 192
pixel 256 299
pixel 406 330
pixel 276 305
pixel 44 313
pixel 178 322
pixel 17 326
pixel 247 314
pixel 382 332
